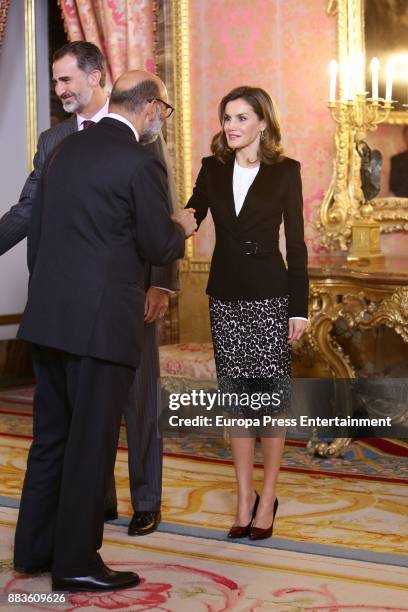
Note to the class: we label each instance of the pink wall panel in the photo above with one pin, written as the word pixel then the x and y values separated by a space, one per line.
pixel 284 47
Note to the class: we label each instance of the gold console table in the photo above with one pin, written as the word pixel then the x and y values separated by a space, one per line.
pixel 363 296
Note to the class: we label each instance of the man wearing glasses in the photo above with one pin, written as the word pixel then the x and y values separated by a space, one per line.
pixel 145 448
pixel 78 73
pixel 168 109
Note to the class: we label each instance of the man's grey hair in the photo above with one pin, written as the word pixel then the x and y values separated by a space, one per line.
pixel 132 100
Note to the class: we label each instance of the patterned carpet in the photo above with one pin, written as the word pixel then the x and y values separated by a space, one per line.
pixel 377 459
pixel 339 542
pixel 185 574
pixel 352 517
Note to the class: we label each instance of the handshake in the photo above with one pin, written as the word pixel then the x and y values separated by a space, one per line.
pixel 186 219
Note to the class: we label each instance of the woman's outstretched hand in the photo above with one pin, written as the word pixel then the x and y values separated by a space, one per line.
pixel 297 328
pixel 185 218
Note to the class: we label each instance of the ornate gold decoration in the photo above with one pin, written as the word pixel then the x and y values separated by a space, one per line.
pixel 392 213
pixel 365 237
pixel 4 7
pixel 332 7
pixel 398 118
pixel 328 449
pixel 324 310
pixel 363 299
pixel 340 206
pixel 360 115
pixel 31 76
pixel 193 301
pixel 181 63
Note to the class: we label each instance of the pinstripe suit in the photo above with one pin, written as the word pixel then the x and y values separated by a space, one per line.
pixel 145 447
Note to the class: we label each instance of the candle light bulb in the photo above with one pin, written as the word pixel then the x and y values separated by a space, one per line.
pixel 375 71
pixel 345 71
pixel 389 76
pixel 333 77
pixel 351 78
pixel 360 80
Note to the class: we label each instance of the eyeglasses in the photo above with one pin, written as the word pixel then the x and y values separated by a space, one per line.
pixel 169 110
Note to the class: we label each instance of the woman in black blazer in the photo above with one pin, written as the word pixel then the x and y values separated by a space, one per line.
pixel 258 306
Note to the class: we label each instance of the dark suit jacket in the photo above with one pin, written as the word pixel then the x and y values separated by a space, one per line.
pixel 101 211
pixel 399 175
pixel 276 193
pixel 14 224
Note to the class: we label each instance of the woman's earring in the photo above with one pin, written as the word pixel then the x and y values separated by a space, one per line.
pixel 262 134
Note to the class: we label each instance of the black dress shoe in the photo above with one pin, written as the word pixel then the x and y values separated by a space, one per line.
pixel 144 522
pixel 111 514
pixel 104 579
pixel 257 533
pixel 242 531
pixel 27 569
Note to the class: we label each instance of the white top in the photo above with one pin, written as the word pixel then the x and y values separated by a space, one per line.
pixel 242 180
pixel 97 117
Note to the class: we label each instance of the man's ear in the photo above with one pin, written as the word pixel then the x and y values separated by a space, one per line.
pixel 94 78
pixel 151 109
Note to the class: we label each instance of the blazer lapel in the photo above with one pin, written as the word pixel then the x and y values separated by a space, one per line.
pixel 226 182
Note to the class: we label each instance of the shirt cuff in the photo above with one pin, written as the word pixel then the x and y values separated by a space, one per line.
pixel 163 289
pixel 298 318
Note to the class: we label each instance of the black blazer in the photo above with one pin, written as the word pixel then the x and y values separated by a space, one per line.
pixel 14 224
pixel 246 262
pixel 100 211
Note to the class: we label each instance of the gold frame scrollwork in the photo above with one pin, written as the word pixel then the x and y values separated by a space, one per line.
pixel 31 79
pixel 341 202
pixel 182 93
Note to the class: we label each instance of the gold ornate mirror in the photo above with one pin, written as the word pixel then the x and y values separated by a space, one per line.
pixel 341 205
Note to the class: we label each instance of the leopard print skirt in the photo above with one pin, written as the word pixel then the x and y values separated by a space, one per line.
pixel 251 338
pixel 251 348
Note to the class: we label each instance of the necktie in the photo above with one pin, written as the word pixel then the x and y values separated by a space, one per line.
pixel 87 123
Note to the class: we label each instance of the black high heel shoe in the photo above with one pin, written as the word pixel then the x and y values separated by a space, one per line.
pixel 257 533
pixel 237 531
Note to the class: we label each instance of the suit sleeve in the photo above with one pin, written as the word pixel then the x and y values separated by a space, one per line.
pixel 158 239
pixel 165 277
pixel 296 251
pixel 199 199
pixel 15 223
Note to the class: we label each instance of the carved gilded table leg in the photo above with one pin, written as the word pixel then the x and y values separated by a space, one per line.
pixel 359 304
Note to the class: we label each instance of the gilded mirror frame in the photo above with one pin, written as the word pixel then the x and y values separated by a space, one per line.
pixel 182 98
pixel 341 203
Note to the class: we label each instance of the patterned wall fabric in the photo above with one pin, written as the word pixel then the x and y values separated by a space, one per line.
pixel 123 30
pixel 284 47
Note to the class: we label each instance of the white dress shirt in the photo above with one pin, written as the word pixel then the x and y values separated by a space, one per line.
pixel 241 182
pixel 97 117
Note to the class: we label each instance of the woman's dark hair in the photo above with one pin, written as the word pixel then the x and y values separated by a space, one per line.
pixel 88 56
pixel 270 148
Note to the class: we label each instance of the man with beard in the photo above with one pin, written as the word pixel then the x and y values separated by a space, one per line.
pixel 79 78
pixel 100 211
